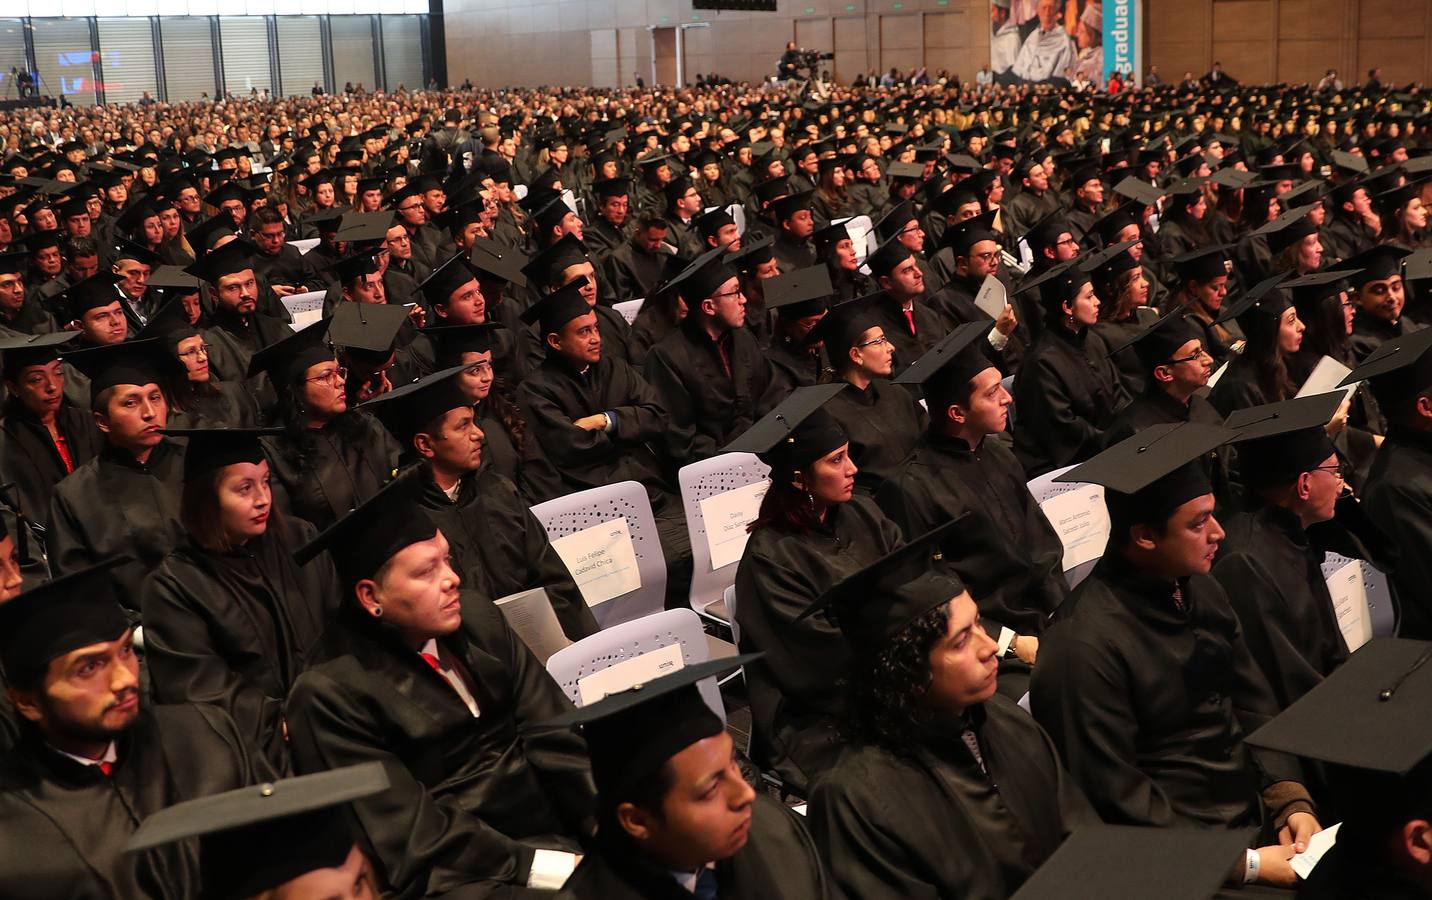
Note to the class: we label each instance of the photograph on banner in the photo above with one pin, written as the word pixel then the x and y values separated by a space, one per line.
pixel 1061 42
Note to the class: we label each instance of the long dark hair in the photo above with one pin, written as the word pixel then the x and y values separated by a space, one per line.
pixel 884 691
pixel 1270 369
pixel 199 514
pixel 786 508
pixel 1327 330
pixel 499 406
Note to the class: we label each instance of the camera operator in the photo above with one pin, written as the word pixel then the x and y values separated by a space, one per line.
pixel 792 61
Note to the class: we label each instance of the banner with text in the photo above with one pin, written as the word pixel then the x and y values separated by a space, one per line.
pixel 1065 41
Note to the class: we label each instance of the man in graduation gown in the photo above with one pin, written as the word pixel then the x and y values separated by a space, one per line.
pixel 794 227
pixel 93 758
pixel 962 468
pixel 641 263
pixel 975 253
pixel 701 831
pixel 561 264
pixel 597 419
pixel 430 681
pixel 125 501
pixel 1145 682
pixel 498 546
pixel 1381 299
pixel 1177 368
pixel 608 229
pixel 1269 565
pixel 43 436
pixel 903 311
pixel 711 376
pixel 277 262
pixel 19 311
pixel 237 327
pixel 933 742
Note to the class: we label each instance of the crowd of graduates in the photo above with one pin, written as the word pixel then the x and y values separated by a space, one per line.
pixel 284 378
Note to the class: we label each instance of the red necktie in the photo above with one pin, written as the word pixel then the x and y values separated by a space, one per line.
pixel 910 317
pixel 432 660
pixel 105 768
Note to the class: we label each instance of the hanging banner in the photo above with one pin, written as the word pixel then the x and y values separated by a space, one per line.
pixel 1064 41
pixel 1123 40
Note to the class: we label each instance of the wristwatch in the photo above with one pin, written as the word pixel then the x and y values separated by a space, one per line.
pixel 1009 651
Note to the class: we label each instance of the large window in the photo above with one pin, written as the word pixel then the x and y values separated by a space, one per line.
pixel 352 51
pixel 188 57
pixel 79 8
pixel 12 54
pixel 126 53
pixel 64 59
pixel 300 54
pixel 403 52
pixel 244 42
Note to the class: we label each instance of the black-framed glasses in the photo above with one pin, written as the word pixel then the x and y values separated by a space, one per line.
pixel 876 342
pixel 1200 353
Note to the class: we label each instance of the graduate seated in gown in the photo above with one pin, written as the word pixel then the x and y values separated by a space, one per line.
pixel 812 529
pixel 196 396
pixel 290 839
pixel 228 615
pixel 1145 682
pixel 1269 564
pixel 93 758
pixel 498 546
pixel 1176 367
pixel 904 310
pixel 429 680
pixel 561 264
pixel 676 818
pixel 946 788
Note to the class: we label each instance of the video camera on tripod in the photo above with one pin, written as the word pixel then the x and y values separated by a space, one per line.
pixel 793 61
pixel 810 59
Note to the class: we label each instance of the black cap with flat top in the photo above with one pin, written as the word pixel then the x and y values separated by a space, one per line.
pixel 842 327
pixel 801 293
pixel 285 360
pixel 447 279
pixel 1159 343
pixel 258 838
pixel 1101 862
pixel 1277 442
pixel 499 261
pixel 367 537
pixel 408 409
pixel 20 350
pixel 230 259
pixel 945 369
pixel 137 362
pixel 99 290
pixel 73 611
pixel 1397 371
pixel 1262 299
pixel 1377 263
pixel 796 433
pixel 452 341
pixel 703 278
pixel 556 309
pixel 366 326
pixel 210 449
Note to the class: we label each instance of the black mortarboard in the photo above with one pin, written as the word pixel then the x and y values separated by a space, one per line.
pixel 169 324
pixel 1110 261
pixel 842 327
pixel 962 236
pixel 1157 344
pixel 789 205
pixel 612 187
pixel 360 227
pixel 1418 266
pixel 891 253
pixel 1152 473
pixel 703 277
pixel 353 266
pixel 1045 232
pixel 556 309
pixel 1375 264
pixel 796 433
pixel 1202 264
pixel 367 537
pixel 752 254
pixel 946 368
pixel 1142 191
pixel 1286 230
pixel 1349 162
pixel 894 221
pixel 76 610
pixel 20 350
pixel 451 341
pixel 230 190
pixel 877 603
pixel 825 239
pixel 1397 371
pixel 1277 442
pixel 173 278
pixel 801 293
pixel 39 240
pixel 13 263
pixel 631 734
pixel 100 289
pixel 498 260
pixel 1058 285
pixel 366 326
pixel 771 189
pixel 1266 298
pixel 258 838
pixel 438 287
pixel 710 224
pixel 546 267
pixel 124 248
pixel 206 233
pixel 408 409
pixel 1308 291
pixel 210 449
pixel 137 362
pixel 1130 212
pixel 1101 861
pixel 230 259
pixel 292 356
pixel 132 218
pixel 903 171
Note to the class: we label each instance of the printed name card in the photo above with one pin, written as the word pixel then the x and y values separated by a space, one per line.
pixel 630 672
pixel 602 560
pixel 726 516
pixel 1081 521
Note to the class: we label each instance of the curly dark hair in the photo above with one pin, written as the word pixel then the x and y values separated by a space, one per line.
pixel 883 692
pixel 498 405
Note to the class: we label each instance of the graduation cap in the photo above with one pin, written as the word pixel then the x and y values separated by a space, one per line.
pixel 903 171
pixel 1263 299
pixel 1058 285
pixel 100 289
pixel 367 537
pixel 207 233
pixel 1152 473
pixel 611 187
pixel 631 734
pixel 210 449
pixel 20 350
pixel 1136 189
pixel 353 266
pixel 1110 261
pixel 1130 212
pixel 357 227
pixel 285 360
pixel 498 260
pixel 232 190
pixel 173 278
pixel 1101 861
pixel 711 223
pixel 1230 177
pixel 446 279
pixel 796 433
pixel 1289 228
pixel 76 610
pixel 1277 442
pixel 752 254
pixel 884 258
pixel 13 263
pixel 371 327
pixel 1202 264
pixel 1158 344
pixel 1349 162
pixel 787 206
pixel 451 341
pixel 1397 371
pixel 945 370
pixel 961 237
pixel 556 309
pixel 546 267
pixel 1378 263
pixel 258 838
pixel 1418 266
pixel 703 277
pixel 39 240
pixel 801 293
pixel 874 605
pixel 408 410
pixel 124 248
pixel 230 259
pixel 137 362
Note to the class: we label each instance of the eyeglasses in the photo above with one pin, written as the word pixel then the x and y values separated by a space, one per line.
pixel 728 295
pixel 1069 241
pixel 1336 469
pixel 201 350
pixel 335 377
pixel 877 342
pixel 1200 353
pixel 990 256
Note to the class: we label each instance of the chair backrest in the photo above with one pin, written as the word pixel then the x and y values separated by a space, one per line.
pixel 862 236
pixel 632 639
pixel 1077 512
pixel 629 308
pixel 577 512
pixel 1361 599
pixel 737 212
pixel 700 483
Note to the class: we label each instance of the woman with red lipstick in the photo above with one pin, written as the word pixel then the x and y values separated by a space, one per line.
pixel 228 615
pixel 811 530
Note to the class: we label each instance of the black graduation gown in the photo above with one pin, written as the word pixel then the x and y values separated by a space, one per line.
pixel 499 547
pixel 1344 238
pixel 1065 394
pixel 1126 361
pixel 793 690
pixel 956 302
pixel 1397 498
pixel 29 460
pixel 233 628
pixel 1155 407
pixel 1341 875
pixel 796 365
pixel 1272 574
pixel 707 407
pixel 633 274
pixel 1369 332
pixel 602 238
pixel 792 255
pixel 1238 388
pixel 616 339
pixel 1149 703
pixel 238 338
pixel 331 470
pixel 116 506
pixel 779 860
pixel 230 407
pixel 471 798
pixel 526 465
pixel 289 268
pixel 930 328
pixel 64 825
pixel 883 423
pixel 931 823
pixel 944 479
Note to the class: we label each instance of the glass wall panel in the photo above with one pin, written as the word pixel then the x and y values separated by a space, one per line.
pixel 126 54
pixel 188 57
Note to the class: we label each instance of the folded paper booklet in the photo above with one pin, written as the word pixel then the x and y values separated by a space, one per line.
pixel 530 614
pixel 992 298
pixel 304 308
pixel 1325 378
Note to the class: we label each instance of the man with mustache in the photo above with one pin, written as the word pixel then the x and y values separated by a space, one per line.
pixel 92 760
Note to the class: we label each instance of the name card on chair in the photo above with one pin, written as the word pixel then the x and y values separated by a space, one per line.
pixel 726 516
pixel 1082 522
pixel 602 560
pixel 304 308
pixel 630 672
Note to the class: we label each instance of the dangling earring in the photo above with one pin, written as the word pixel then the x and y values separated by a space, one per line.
pixel 810 499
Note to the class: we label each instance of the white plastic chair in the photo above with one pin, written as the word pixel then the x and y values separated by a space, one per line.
pixel 1370 613
pixel 701 481
pixel 1045 488
pixel 629 308
pixel 737 212
pixel 586 509
pixel 604 649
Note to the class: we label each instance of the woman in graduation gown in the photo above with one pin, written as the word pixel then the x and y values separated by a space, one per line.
pixel 797 362
pixel 228 615
pixel 1067 390
pixel 328 458
pixel 1119 277
pixel 1260 374
pixel 197 399
pixel 835 249
pixel 882 420
pixel 812 530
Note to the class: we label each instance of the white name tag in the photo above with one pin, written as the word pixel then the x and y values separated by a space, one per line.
pixel 602 560
pixel 726 516
pixel 630 672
